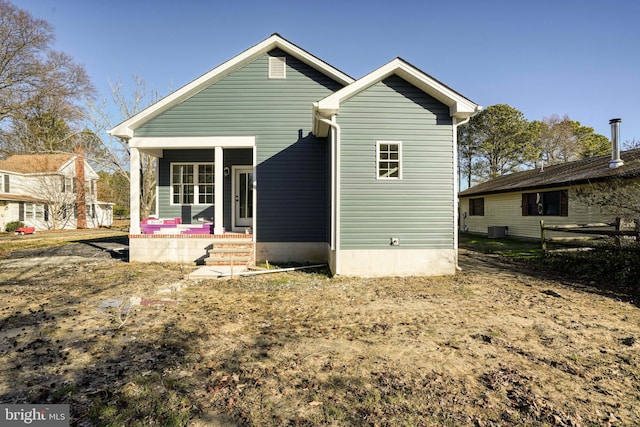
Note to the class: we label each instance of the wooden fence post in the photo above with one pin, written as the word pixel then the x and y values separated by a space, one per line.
pixel 618 228
pixel 542 241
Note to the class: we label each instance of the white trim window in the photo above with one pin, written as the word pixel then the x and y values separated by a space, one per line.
pixel 67 185
pixel 39 211
pixel 389 159
pixel 192 184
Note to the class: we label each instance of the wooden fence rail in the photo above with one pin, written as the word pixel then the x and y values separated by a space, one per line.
pixel 590 232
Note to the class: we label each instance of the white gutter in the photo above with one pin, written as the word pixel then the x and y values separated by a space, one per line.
pixel 456 183
pixel 335 185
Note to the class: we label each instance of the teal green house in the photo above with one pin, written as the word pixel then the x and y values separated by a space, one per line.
pixel 277 148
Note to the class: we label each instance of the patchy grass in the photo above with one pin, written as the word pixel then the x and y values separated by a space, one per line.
pixel 10 243
pixel 510 248
pixel 35 243
pixel 610 270
pixel 489 346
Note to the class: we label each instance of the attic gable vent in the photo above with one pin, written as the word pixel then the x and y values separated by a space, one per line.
pixel 277 67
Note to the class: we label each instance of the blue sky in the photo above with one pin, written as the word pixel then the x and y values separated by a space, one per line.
pixel 579 58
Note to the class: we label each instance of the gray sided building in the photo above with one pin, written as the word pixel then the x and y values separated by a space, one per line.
pixel 313 165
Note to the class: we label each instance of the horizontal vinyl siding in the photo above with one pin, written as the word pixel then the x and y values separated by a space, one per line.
pixel 506 210
pixel 291 164
pixel 417 209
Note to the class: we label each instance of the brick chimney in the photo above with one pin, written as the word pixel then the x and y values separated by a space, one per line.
pixel 81 203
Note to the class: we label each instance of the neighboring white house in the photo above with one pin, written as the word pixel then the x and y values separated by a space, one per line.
pixel 514 204
pixel 41 190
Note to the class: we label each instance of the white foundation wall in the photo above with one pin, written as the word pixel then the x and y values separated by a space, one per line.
pixel 178 250
pixel 397 262
pixel 300 252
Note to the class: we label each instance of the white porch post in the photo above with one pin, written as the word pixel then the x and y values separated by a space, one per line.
pixel 134 186
pixel 218 211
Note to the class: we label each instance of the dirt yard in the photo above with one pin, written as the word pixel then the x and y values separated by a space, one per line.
pixel 134 344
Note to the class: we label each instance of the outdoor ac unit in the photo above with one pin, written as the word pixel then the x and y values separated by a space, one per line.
pixel 497 232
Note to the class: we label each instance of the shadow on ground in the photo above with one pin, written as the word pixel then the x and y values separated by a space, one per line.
pixel 106 247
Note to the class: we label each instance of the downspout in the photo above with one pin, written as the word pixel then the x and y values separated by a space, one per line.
pixel 335 185
pixel 456 187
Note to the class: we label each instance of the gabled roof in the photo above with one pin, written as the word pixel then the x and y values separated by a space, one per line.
pixel 35 163
pixel 126 129
pixel 459 106
pixel 579 172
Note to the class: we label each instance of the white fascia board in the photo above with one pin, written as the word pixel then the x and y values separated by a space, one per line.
pixel 458 105
pixel 126 129
pixel 68 163
pixel 89 172
pixel 70 166
pixel 309 59
pixel 193 142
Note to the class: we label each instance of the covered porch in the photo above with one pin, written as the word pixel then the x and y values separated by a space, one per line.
pixel 205 197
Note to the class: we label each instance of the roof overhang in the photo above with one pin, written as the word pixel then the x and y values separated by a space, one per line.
pixel 460 107
pixel 20 198
pixel 126 129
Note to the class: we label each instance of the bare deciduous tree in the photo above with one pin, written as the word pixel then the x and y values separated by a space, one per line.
pixel 36 82
pixel 619 196
pixel 560 139
pixel 631 144
pixel 117 150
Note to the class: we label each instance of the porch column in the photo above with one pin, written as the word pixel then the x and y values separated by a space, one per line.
pixel 134 187
pixel 218 211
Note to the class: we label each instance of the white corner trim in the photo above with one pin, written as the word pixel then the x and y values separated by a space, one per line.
pixel 193 142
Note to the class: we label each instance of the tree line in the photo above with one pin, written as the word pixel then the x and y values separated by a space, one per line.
pixel 499 140
pixel 48 104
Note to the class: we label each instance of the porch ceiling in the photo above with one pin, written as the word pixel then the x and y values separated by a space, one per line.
pixel 194 142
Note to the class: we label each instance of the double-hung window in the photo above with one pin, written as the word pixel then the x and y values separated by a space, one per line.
pixel 389 157
pixel 192 183
pixel 67 184
pixel 39 211
pixel 476 207
pixel 205 184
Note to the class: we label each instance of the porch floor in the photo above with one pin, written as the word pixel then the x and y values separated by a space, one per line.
pixel 217 251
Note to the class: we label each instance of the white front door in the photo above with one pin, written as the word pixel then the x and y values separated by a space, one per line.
pixel 243 197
